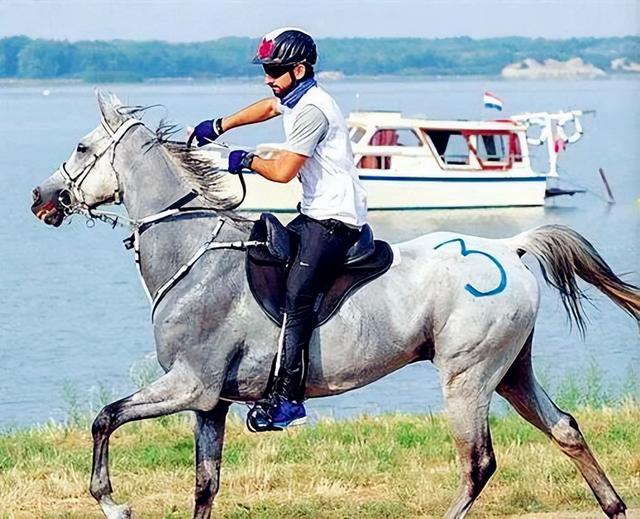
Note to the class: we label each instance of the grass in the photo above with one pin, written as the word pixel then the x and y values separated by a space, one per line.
pixel 395 466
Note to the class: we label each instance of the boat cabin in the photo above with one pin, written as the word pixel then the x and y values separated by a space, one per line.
pixel 389 141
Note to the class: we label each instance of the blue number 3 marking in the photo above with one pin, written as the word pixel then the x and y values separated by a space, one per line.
pixel 466 252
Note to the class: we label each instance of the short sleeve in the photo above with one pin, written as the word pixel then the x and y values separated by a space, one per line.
pixel 309 128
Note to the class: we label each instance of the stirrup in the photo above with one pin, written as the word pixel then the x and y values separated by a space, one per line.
pixel 258 419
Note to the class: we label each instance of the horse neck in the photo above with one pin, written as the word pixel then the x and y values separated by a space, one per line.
pixel 150 179
pixel 151 182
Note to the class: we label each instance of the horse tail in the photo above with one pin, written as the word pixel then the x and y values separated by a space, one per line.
pixel 564 254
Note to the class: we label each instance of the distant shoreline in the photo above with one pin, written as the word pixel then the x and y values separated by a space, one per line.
pixel 102 61
pixel 252 79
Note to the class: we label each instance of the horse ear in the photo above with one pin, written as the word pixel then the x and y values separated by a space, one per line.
pixel 111 108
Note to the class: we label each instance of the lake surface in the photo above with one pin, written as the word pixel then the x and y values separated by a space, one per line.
pixel 74 320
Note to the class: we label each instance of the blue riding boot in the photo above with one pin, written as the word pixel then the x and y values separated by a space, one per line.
pixel 287 413
pixel 287 410
pixel 283 407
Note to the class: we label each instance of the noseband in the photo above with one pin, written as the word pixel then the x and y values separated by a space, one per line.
pixel 74 180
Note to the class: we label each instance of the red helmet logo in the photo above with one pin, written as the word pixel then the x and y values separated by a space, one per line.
pixel 265 49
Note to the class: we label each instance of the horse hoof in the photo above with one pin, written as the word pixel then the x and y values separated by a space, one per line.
pixel 124 512
pixel 113 511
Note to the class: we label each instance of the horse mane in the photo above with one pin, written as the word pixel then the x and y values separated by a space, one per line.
pixel 204 177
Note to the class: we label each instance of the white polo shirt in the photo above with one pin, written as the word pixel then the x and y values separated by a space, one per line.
pixel 315 128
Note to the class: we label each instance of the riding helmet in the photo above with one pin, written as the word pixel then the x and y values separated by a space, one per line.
pixel 286 46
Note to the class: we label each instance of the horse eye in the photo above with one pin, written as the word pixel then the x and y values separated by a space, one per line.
pixel 81 148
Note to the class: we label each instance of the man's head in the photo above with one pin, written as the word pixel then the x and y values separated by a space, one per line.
pixel 287 56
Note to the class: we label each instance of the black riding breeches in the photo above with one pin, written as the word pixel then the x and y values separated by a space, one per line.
pixel 322 246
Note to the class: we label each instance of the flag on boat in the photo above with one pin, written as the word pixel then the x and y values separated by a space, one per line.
pixel 491 101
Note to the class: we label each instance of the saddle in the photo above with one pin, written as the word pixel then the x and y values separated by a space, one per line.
pixel 267 268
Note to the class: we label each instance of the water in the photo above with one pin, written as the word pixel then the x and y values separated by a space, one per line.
pixel 74 314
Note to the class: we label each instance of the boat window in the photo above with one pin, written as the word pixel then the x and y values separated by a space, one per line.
pixel 499 148
pixel 450 145
pixel 395 137
pixel 384 138
pixel 492 148
pixel 356 133
pixel 407 137
pixel 374 162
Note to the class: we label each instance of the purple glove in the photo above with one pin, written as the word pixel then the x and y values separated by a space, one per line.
pixel 239 160
pixel 206 132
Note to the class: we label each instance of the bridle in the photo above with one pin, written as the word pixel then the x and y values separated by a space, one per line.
pixel 74 180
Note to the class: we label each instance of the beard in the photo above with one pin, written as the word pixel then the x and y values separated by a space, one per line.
pixel 278 92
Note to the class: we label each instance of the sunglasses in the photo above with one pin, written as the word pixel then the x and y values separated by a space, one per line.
pixel 277 71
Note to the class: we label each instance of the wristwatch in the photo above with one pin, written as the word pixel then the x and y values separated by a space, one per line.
pixel 217 126
pixel 247 160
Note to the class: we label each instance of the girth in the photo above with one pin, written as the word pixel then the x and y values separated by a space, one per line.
pixel 267 269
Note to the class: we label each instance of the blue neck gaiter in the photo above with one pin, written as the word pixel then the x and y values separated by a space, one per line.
pixel 292 98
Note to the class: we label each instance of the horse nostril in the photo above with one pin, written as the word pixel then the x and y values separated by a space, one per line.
pixel 35 195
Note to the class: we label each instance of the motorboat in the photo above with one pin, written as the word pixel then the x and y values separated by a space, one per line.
pixel 419 163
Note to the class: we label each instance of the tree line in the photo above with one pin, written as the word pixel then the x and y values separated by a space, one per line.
pixel 119 60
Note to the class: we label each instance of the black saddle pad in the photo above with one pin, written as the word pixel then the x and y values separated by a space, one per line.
pixel 267 277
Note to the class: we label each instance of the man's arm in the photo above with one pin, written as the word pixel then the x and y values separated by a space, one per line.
pixel 210 129
pixel 282 168
pixel 259 111
pixel 309 128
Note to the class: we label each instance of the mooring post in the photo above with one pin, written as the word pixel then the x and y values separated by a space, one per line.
pixel 606 185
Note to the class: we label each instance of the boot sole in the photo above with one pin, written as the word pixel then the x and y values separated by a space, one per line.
pixel 292 423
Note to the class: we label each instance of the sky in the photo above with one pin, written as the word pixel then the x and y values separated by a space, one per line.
pixel 201 20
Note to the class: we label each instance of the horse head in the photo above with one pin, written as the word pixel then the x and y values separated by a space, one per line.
pixel 87 179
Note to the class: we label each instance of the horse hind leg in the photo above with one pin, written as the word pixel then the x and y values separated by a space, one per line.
pixel 526 395
pixel 467 408
pixel 175 391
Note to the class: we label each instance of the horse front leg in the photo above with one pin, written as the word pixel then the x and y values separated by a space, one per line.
pixel 175 391
pixel 209 438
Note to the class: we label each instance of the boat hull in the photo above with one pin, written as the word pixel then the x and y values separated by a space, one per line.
pixel 400 193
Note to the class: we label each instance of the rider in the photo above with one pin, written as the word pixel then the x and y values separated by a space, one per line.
pixel 333 207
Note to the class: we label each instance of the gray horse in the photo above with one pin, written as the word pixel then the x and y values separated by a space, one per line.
pixel 465 303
